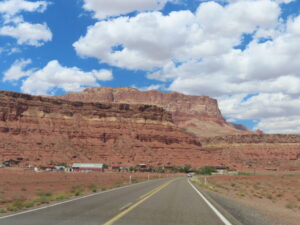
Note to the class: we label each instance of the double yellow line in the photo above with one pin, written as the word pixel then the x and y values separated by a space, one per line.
pixel 143 198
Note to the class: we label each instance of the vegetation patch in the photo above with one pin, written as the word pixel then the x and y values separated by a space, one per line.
pixel 77 190
pixel 206 170
pixel 93 187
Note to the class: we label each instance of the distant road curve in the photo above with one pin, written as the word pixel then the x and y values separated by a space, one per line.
pixel 157 202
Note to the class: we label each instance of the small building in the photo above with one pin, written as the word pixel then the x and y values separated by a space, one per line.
pixel 60 168
pixel 87 167
pixel 120 168
pixel 46 168
pixel 142 167
pixel 220 169
pixel 11 162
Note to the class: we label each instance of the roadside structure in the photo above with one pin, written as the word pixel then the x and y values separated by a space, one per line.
pixel 88 167
pixel 142 167
pixel 11 162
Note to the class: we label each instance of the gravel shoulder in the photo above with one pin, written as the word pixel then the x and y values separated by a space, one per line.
pixel 250 212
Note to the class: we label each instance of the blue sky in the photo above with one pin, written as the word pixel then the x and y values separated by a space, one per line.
pixel 244 53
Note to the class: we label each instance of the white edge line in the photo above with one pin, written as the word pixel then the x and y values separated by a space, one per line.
pixel 75 199
pixel 221 217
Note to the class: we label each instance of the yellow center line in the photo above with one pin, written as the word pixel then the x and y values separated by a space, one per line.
pixel 150 192
pixel 147 196
pixel 125 206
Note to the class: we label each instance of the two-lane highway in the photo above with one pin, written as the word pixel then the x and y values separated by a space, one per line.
pixel 157 202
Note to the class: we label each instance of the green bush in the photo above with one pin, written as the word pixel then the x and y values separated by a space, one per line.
pixel 45 193
pixel 93 187
pixel 245 173
pixel 161 170
pixel 206 170
pixel 15 206
pixel 291 175
pixel 63 164
pixel 185 169
pixel 3 211
pixel 28 204
pixel 175 169
pixel 43 200
pixel 61 197
pixel 77 190
pixel 11 208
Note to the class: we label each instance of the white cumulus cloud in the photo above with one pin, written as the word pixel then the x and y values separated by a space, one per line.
pixel 13 24
pixel 17 70
pixel 44 81
pixel 151 39
pixel 104 8
pixel 13 7
pixel 27 33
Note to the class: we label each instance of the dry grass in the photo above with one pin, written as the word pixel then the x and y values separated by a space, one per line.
pixel 281 190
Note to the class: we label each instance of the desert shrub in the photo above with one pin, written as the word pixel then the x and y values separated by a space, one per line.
pixel 269 196
pixel 103 188
pixel 132 169
pixel 175 169
pixel 20 198
pixel 279 195
pixel 28 204
pixel 119 183
pixel 60 196
pixel 45 193
pixel 245 173
pixel 290 205
pixel 161 170
pixel 2 210
pixel 15 206
pixel 134 180
pixel 11 208
pixel 43 200
pixel 185 169
pixel 291 175
pixel 77 190
pixel 206 170
pixel 93 187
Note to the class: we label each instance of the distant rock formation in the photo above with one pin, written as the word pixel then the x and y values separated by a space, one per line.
pixel 197 115
pixel 46 131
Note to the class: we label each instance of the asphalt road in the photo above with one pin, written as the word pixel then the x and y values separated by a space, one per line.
pixel 157 202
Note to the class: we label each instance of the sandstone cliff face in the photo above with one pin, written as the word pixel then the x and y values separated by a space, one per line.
pixel 267 151
pixel 48 131
pixel 252 139
pixel 44 131
pixel 198 115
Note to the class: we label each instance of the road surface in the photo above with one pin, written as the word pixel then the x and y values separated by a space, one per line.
pixel 157 202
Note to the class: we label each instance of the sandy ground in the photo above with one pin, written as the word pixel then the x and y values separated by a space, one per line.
pixel 276 195
pixel 25 185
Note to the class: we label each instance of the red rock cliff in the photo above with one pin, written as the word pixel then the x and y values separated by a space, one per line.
pixel 198 115
pixel 42 131
pixel 48 131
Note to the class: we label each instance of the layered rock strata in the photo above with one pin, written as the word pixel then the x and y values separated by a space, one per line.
pixel 197 115
pixel 265 151
pixel 48 131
